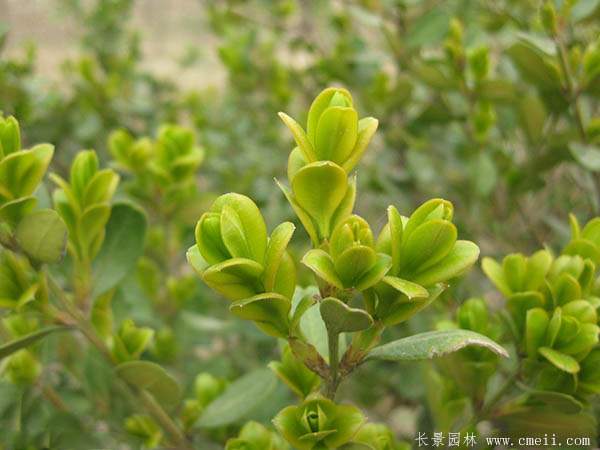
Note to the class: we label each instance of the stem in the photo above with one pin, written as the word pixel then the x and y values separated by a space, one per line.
pixel 485 412
pixel 52 396
pixel 333 341
pixel 165 421
pixel 148 401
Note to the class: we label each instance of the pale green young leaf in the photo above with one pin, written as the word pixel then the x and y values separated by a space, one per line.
pixel 319 189
pixel 278 242
pixel 304 144
pixel 462 257
pixel 322 265
pixel 337 131
pixel 560 360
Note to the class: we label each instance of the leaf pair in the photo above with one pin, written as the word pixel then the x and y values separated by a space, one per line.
pixel 84 203
pixel 18 282
pixel 518 274
pixel 584 242
pixel 321 196
pixel 564 338
pixel 333 131
pixel 21 171
pixel 254 436
pixel 318 423
pixel 176 156
pixel 129 343
pixel 425 253
pixel 235 258
pixel 352 261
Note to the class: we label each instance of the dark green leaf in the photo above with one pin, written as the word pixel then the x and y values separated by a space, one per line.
pixel 123 245
pixel 239 399
pixel 25 341
pixel 433 344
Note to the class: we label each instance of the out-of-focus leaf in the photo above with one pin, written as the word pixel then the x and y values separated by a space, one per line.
pixel 586 155
pixel 123 245
pixel 151 377
pixel 239 399
pixel 25 341
pixel 43 236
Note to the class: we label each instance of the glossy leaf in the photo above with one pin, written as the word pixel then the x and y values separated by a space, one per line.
pixel 563 362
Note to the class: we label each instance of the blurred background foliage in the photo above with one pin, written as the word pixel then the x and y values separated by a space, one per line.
pixel 480 102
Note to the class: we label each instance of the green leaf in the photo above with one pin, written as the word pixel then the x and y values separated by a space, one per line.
pixel 13 211
pixel 408 288
pixel 153 378
pixel 236 278
pixel 538 421
pixel 533 117
pixel 84 167
pixel 321 264
pixel 532 64
pixel 340 318
pixel 497 90
pixel 9 348
pixel 561 361
pixel 428 244
pixel 22 171
pixel 585 340
pixel 494 271
pixel 300 137
pixel 583 248
pixel 395 230
pixel 208 237
pixel 557 400
pixel 375 273
pixel 303 215
pixel 336 134
pixel 270 311
pixel 429 28
pixel 43 236
pixel 320 104
pixel 239 399
pixel 535 331
pixel 462 256
pixel 538 265
pixel 588 156
pixel 232 232
pixel 91 226
pixel 353 263
pixel 250 221
pixel 10 133
pixel 101 187
pixel 319 189
pixel 280 237
pixel 122 246
pixel 433 344
pixel 367 127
